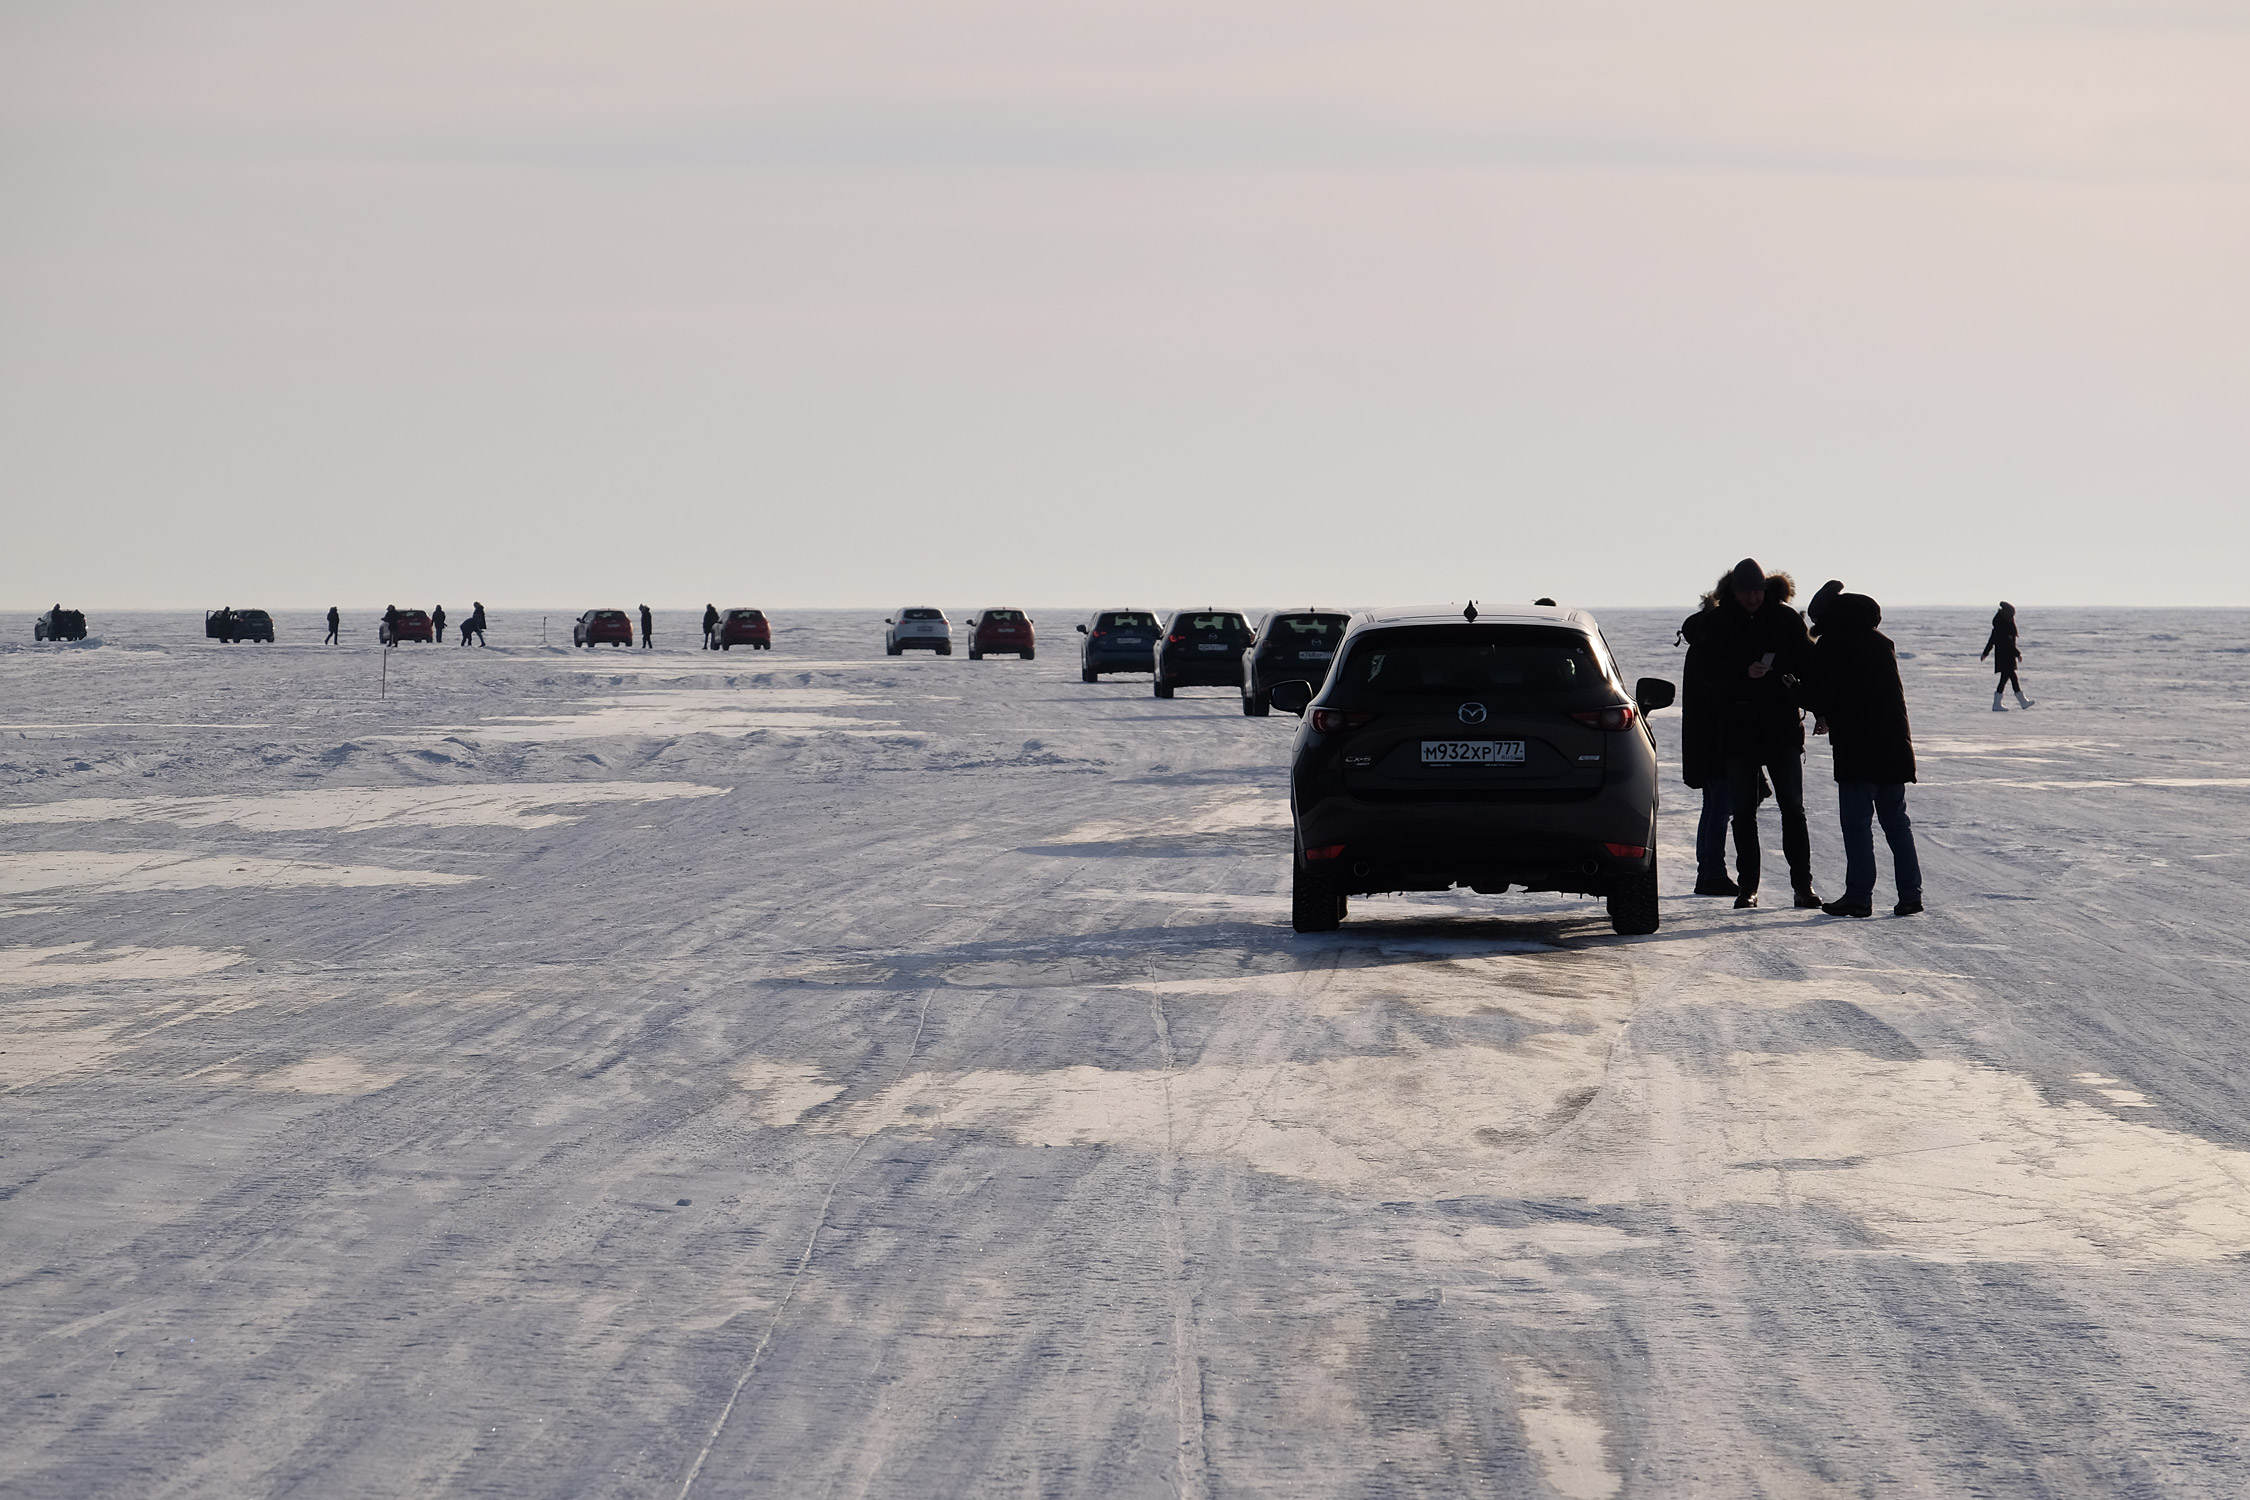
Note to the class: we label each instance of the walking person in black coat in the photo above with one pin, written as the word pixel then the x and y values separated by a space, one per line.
pixel 648 628
pixel 335 620
pixel 437 624
pixel 1859 703
pixel 1758 654
pixel 2001 647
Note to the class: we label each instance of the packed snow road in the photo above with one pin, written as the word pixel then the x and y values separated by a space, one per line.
pixel 822 1074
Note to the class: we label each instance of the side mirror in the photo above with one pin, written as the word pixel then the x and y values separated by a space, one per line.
pixel 1291 697
pixel 888 621
pixel 1081 630
pixel 1653 693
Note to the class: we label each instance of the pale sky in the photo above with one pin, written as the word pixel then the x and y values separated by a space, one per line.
pixel 1151 303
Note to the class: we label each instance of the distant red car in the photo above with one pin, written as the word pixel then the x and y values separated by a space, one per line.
pixel 598 625
pixel 1001 630
pixel 743 627
pixel 406 625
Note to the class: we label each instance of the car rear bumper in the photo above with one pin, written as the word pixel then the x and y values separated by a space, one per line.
pixel 1188 672
pixel 923 643
pixel 1578 845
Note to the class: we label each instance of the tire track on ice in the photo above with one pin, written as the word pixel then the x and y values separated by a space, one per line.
pixel 804 1261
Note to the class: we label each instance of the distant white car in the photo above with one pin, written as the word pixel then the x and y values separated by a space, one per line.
pixel 918 628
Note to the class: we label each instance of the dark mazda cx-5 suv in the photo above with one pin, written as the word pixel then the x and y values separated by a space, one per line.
pixel 1291 645
pixel 1487 751
pixel 1201 648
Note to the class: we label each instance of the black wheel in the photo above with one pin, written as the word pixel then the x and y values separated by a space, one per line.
pixel 1254 706
pixel 1031 656
pixel 1633 905
pixel 1163 688
pixel 945 650
pixel 890 650
pixel 1314 905
pixel 1088 674
pixel 975 654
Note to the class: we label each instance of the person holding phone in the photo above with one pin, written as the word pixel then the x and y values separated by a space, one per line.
pixel 1759 659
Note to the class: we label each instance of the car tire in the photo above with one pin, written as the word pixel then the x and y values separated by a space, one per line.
pixel 1088 674
pixel 1633 905
pixel 1031 656
pixel 975 654
pixel 1255 707
pixel 1163 688
pixel 945 650
pixel 1314 905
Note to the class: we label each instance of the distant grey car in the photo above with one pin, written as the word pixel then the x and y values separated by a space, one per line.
pixel 918 628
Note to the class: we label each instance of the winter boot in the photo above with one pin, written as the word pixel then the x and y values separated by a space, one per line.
pixel 1807 898
pixel 2021 700
pixel 1996 705
pixel 1746 901
pixel 1846 907
pixel 1908 906
pixel 1717 885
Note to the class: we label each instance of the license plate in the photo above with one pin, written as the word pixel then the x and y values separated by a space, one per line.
pixel 1315 655
pixel 1130 640
pixel 1472 752
pixel 1211 648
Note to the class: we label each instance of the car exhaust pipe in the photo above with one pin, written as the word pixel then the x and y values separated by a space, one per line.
pixel 1591 867
pixel 1363 869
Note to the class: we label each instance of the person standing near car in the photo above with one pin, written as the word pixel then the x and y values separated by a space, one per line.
pixel 710 627
pixel 437 624
pixel 1860 704
pixel 390 624
pixel 1703 751
pixel 648 629
pixel 1760 655
pixel 335 621
pixel 2001 647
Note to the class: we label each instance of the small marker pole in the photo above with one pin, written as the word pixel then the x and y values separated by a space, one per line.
pixel 386 671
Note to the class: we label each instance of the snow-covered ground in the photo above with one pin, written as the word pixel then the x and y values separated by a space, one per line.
pixel 812 1073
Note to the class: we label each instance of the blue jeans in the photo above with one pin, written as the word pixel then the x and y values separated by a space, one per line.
pixel 1856 802
pixel 1711 834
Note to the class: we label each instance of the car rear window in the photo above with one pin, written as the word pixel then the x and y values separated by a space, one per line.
pixel 609 616
pixel 746 616
pixel 1127 622
pixel 920 614
pixel 1005 616
pixel 1310 631
pixel 1212 624
pixel 1493 662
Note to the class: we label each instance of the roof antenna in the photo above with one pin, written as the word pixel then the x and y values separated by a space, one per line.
pixel 1548 603
pixel 1470 614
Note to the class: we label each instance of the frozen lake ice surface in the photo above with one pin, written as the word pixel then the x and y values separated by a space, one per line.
pixel 816 1073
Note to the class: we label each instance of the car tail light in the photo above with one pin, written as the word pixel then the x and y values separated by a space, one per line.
pixel 1330 851
pixel 1628 851
pixel 1329 720
pixel 1618 717
pixel 1175 639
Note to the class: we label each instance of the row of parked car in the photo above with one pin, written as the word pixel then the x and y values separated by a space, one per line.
pixel 1190 648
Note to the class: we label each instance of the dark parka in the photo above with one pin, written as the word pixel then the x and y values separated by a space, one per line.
pixel 2001 644
pixel 1757 717
pixel 1703 746
pixel 1856 689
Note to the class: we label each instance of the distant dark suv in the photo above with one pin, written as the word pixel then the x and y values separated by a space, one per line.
pixel 59 624
pixel 1000 632
pixel 1201 648
pixel 231 625
pixel 1118 640
pixel 1490 752
pixel 1292 645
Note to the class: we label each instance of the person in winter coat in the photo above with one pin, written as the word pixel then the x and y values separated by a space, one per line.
pixel 710 627
pixel 648 628
pixel 474 625
pixel 2001 647
pixel 1703 752
pixel 335 621
pixel 437 624
pixel 390 625
pixel 1757 654
pixel 1859 703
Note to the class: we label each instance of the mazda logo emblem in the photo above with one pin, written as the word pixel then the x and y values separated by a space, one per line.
pixel 1472 713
